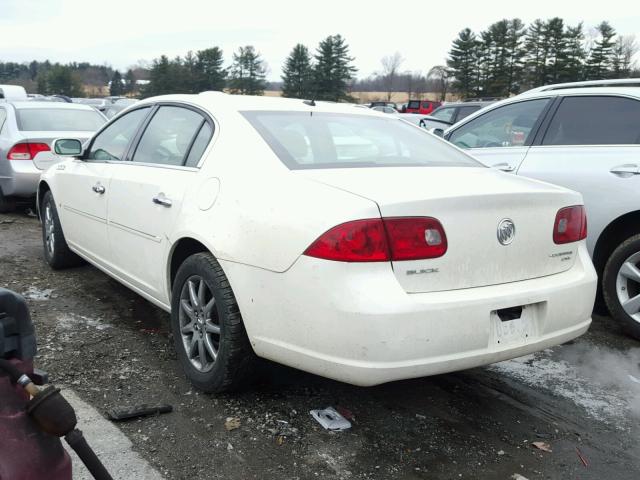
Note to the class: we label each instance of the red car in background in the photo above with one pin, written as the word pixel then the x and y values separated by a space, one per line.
pixel 424 107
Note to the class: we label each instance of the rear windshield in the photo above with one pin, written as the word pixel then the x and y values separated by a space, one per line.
pixel 414 104
pixel 305 140
pixel 59 119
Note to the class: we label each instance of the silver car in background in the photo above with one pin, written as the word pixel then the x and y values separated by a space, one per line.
pixel 27 130
pixel 584 136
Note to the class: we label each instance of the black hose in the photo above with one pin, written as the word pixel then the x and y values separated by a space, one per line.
pixel 11 369
pixel 76 440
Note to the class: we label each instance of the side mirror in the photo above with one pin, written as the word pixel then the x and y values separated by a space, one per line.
pixel 438 132
pixel 67 147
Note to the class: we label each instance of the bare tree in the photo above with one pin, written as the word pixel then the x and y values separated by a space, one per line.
pixel 624 51
pixel 440 75
pixel 390 67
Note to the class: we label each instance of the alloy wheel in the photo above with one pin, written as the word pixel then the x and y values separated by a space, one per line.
pixel 49 229
pixel 628 286
pixel 199 323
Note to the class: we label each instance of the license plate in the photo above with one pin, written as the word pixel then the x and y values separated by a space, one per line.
pixel 513 330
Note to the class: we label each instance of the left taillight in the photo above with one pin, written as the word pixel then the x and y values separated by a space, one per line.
pixel 570 225
pixel 381 240
pixel 27 150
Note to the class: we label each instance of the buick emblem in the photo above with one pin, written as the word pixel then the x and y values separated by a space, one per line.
pixel 506 231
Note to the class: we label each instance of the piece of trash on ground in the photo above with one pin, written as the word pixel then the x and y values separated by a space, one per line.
pixel 634 379
pixel 544 446
pixel 582 458
pixel 330 419
pixel 517 476
pixel 232 423
pixel 121 414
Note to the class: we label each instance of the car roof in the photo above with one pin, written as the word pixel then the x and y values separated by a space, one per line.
pixel 578 90
pixel 223 103
pixel 50 105
pixel 466 104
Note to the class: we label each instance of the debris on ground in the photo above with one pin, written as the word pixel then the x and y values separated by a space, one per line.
pixel 634 379
pixel 582 458
pixel 346 413
pixel 232 423
pixel 544 446
pixel 500 452
pixel 122 414
pixel 330 419
pixel 517 476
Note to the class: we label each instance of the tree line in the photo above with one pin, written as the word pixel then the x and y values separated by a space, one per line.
pixel 509 57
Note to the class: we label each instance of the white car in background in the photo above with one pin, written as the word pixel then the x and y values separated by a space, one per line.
pixel 584 136
pixel 333 239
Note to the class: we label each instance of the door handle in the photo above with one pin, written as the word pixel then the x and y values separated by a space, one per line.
pixel 626 170
pixel 505 167
pixel 98 188
pixel 163 200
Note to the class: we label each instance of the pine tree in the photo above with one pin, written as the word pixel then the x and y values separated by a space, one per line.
pixel 557 54
pixel 297 75
pixel 515 36
pixel 116 88
pixel 599 64
pixel 462 62
pixel 129 82
pixel 248 72
pixel 575 55
pixel 333 70
pixel 537 50
pixel 211 74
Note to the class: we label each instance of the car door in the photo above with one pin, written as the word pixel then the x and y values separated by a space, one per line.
pixel 591 143
pixel 501 137
pixel 83 187
pixel 147 193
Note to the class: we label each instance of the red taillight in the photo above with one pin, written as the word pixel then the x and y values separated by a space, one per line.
pixel 357 241
pixel 381 240
pixel 26 151
pixel 415 238
pixel 570 225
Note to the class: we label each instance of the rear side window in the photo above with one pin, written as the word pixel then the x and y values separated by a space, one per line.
pixel 507 126
pixel 305 140
pixel 3 117
pixel 594 120
pixel 413 104
pixel 112 142
pixel 199 145
pixel 169 136
pixel 464 112
pixel 59 120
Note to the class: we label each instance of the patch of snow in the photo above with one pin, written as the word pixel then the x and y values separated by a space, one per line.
pixel 34 293
pixel 71 322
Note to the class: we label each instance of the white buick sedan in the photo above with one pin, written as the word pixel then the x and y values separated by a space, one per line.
pixel 337 240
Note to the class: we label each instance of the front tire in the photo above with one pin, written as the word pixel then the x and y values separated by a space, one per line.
pixel 209 336
pixel 56 251
pixel 621 285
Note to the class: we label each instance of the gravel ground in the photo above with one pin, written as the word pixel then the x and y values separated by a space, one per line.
pixel 112 348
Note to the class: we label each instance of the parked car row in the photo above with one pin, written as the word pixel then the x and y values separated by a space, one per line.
pixel 378 235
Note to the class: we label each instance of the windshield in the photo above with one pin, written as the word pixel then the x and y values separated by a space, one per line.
pixel 305 140
pixel 59 119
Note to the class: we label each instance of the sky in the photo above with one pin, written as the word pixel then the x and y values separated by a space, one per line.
pixel 122 32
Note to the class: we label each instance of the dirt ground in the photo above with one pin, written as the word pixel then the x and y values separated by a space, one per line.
pixel 112 348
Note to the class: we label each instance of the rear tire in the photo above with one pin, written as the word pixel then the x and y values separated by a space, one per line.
pixel 56 251
pixel 208 333
pixel 621 285
pixel 7 205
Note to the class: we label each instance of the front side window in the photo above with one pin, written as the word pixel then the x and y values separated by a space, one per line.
pixel 59 120
pixel 445 114
pixel 169 136
pixel 506 126
pixel 595 121
pixel 305 140
pixel 112 142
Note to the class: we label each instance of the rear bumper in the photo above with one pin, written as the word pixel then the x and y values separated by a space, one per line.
pixel 20 179
pixel 355 324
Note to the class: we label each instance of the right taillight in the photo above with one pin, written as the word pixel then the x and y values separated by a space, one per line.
pixel 570 225
pixel 381 240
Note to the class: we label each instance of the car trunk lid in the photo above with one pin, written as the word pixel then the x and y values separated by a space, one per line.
pixel 44 160
pixel 470 203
